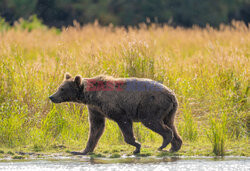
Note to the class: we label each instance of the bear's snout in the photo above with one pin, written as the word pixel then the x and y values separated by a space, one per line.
pixel 53 99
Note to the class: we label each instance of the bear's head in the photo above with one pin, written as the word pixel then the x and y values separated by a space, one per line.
pixel 69 91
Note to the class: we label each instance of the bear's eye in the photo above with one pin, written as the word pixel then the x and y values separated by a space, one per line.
pixel 62 89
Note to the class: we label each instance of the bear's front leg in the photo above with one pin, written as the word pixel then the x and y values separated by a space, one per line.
pixel 97 124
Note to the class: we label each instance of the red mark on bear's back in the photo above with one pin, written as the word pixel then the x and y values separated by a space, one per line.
pixel 94 85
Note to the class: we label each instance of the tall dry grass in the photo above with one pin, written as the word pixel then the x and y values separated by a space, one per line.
pixel 207 68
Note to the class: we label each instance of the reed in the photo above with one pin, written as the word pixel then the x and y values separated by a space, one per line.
pixel 217 134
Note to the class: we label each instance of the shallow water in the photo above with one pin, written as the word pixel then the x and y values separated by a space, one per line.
pixel 145 164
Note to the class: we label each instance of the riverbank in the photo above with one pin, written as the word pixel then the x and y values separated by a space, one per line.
pixel 189 149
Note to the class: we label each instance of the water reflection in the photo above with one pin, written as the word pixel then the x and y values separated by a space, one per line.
pixel 130 163
pixel 131 160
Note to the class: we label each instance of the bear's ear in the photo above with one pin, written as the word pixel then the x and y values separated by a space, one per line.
pixel 67 76
pixel 78 80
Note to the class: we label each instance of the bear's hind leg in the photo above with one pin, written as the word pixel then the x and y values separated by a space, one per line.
pixel 126 127
pixel 176 142
pixel 158 127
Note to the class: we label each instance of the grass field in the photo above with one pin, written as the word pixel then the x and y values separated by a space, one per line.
pixel 207 68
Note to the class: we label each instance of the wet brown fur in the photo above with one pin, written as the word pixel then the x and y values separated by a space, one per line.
pixel 154 109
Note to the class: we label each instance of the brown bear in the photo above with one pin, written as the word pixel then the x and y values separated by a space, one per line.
pixel 124 100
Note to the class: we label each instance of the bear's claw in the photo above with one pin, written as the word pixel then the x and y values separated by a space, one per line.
pixel 136 152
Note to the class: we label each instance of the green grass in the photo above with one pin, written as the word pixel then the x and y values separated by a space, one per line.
pixel 217 134
pixel 208 70
pixel 93 155
pixel 18 157
pixel 188 127
pixel 115 155
pixel 10 153
pixel 202 147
